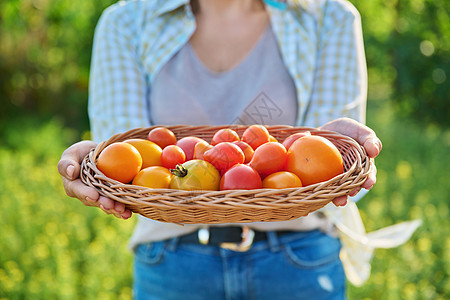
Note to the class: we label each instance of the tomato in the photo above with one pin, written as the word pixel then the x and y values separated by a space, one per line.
pixel 240 177
pixel 162 136
pixel 293 137
pixel 247 149
pixel 120 161
pixel 195 174
pixel 200 148
pixel 256 135
pixel 224 135
pixel 224 155
pixel 150 152
pixel 153 177
pixel 314 159
pixel 281 180
pixel 171 156
pixel 269 158
pixel 188 145
pixel 272 139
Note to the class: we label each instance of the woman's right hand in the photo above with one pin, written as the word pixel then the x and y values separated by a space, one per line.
pixel 69 167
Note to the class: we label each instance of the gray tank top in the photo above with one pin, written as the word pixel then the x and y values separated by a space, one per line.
pixel 259 90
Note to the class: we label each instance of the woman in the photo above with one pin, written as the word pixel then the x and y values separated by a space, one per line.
pixel 224 62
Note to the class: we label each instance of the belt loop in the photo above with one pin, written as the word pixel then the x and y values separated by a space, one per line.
pixel 273 241
pixel 172 244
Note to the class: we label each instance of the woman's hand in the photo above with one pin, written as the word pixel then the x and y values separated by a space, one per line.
pixel 364 136
pixel 69 167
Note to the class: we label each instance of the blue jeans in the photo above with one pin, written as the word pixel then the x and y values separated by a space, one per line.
pixel 303 265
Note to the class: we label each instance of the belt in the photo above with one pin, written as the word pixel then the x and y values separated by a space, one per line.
pixel 232 237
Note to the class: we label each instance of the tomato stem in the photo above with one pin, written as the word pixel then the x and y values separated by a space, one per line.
pixel 179 171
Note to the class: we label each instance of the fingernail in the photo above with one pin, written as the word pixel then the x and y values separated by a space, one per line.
pixel 102 207
pixel 70 170
pixel 90 199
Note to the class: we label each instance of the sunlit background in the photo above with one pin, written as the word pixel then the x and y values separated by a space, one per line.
pixel 52 247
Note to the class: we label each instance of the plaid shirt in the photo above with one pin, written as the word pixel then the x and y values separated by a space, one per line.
pixel 320 42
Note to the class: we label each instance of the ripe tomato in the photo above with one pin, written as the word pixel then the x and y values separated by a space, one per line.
pixel 195 174
pixel 188 144
pixel 272 139
pixel 153 177
pixel 150 152
pixel 224 155
pixel 314 159
pixel 247 149
pixel 200 148
pixel 240 177
pixel 281 180
pixel 256 135
pixel 162 136
pixel 120 161
pixel 171 156
pixel 293 137
pixel 269 158
pixel 224 135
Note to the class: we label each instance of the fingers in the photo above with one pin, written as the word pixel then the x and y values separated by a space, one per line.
pixel 115 208
pixel 76 188
pixel 69 164
pixel 372 178
pixel 340 201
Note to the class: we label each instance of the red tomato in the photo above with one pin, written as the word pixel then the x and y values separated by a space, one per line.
pixel 256 135
pixel 200 148
pixel 281 180
pixel 224 135
pixel 162 136
pixel 269 158
pixel 293 137
pixel 240 177
pixel 188 145
pixel 224 155
pixel 314 159
pixel 171 156
pixel 247 149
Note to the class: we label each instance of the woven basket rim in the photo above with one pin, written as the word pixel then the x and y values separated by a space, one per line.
pixel 141 199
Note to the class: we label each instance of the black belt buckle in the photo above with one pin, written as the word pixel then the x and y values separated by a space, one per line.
pixel 244 245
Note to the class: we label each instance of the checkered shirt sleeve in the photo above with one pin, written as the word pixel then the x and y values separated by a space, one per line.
pixel 118 92
pixel 340 78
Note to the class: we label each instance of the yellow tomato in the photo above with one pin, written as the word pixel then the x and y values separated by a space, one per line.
pixel 281 180
pixel 195 174
pixel 155 177
pixel 150 152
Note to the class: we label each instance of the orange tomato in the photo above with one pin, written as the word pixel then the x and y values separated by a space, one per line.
pixel 269 158
pixel 281 180
pixel 150 152
pixel 171 156
pixel 224 135
pixel 200 148
pixel 120 161
pixel 255 136
pixel 272 139
pixel 247 149
pixel 162 136
pixel 155 177
pixel 293 137
pixel 314 159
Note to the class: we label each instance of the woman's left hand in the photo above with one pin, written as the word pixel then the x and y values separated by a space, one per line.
pixel 364 136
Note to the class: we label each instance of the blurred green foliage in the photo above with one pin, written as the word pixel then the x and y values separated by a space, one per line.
pixel 45 50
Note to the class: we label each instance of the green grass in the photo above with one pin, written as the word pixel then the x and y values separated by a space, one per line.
pixel 52 247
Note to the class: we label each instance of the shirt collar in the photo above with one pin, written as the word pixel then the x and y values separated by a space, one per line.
pixel 166 6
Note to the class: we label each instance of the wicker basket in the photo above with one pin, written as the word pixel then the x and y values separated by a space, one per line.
pixel 235 206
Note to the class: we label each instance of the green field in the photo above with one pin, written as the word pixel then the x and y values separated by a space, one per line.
pixel 52 247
